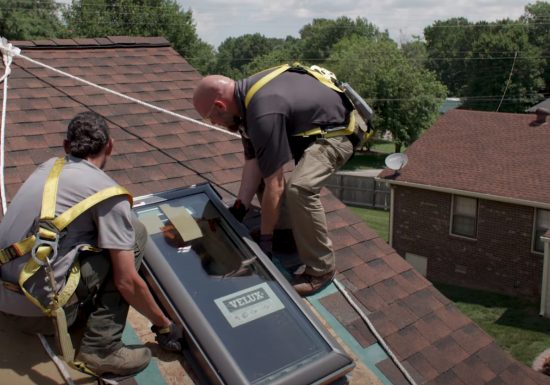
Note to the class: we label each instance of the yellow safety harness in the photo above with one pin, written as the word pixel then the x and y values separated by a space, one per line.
pixel 43 248
pixel 317 131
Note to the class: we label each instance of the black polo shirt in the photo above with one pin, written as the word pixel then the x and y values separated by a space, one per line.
pixel 291 103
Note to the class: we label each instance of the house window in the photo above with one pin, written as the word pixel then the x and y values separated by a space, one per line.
pixel 464 218
pixel 542 224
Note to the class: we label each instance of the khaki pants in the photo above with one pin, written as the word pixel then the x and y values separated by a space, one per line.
pixel 304 208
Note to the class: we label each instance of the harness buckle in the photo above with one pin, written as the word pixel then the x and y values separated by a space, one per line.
pixel 52 244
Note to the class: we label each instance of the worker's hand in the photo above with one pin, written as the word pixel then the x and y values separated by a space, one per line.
pixel 168 338
pixel 266 244
pixel 238 210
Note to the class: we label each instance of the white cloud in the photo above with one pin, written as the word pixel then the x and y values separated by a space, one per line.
pixel 217 20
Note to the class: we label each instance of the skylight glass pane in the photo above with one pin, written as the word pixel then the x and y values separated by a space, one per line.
pixel 238 300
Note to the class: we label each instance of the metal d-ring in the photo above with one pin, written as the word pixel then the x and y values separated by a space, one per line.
pixel 45 242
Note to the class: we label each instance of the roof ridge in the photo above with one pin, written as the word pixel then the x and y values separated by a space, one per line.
pixel 98 42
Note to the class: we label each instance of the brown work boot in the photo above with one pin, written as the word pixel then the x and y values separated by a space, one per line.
pixel 306 284
pixel 126 361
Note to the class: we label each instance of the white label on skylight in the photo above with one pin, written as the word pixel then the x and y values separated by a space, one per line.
pixel 249 304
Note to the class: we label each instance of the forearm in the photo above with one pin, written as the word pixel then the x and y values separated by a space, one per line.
pixel 134 289
pixel 140 298
pixel 250 181
pixel 271 201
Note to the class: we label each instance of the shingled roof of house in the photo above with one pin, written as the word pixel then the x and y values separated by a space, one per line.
pixel 155 151
pixel 469 150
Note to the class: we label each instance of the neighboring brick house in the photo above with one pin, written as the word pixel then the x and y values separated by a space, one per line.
pixel 470 206
pixel 154 151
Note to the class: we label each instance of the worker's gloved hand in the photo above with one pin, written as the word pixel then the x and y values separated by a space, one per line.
pixel 168 338
pixel 238 210
pixel 266 244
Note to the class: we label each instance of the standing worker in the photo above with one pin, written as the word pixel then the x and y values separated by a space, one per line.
pixel 105 241
pixel 283 115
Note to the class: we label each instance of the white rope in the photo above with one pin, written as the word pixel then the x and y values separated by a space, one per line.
pixel 340 287
pixel 377 335
pixel 140 102
pixel 56 360
pixel 8 52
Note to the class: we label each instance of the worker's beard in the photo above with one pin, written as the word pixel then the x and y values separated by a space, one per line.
pixel 235 126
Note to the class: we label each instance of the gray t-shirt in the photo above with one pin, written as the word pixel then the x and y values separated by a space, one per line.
pixel 291 103
pixel 107 225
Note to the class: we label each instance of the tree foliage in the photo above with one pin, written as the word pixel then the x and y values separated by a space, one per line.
pixel 492 66
pixel 405 97
pixel 504 70
pixel 235 53
pixel 286 52
pixel 537 18
pixel 96 18
pixel 30 19
pixel 447 42
pixel 318 38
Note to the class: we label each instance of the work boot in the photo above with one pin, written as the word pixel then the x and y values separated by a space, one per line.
pixel 126 361
pixel 306 284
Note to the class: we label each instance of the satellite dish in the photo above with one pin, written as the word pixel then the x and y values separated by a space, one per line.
pixel 396 161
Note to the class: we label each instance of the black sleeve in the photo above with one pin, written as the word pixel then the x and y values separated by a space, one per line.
pixel 248 148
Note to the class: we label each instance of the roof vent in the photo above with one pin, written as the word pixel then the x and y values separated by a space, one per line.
pixel 542 113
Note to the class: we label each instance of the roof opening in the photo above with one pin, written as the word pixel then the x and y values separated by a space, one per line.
pixel 244 323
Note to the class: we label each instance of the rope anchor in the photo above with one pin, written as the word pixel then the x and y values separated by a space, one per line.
pixel 8 49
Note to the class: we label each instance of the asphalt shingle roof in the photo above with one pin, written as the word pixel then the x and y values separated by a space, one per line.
pixel 469 150
pixel 155 152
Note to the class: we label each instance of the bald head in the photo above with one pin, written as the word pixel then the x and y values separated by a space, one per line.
pixel 210 89
pixel 214 99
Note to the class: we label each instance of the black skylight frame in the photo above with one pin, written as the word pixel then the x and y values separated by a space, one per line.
pixel 220 361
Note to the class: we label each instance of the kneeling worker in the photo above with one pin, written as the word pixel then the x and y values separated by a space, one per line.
pixel 105 240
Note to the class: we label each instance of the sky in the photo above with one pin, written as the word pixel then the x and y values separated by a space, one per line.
pixel 217 20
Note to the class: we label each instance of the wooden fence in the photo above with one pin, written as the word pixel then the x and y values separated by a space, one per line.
pixel 357 189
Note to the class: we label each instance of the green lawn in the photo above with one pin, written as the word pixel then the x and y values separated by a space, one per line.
pixel 374 158
pixel 512 322
pixel 378 220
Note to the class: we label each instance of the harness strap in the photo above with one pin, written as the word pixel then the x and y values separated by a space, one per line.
pixel 339 131
pixel 263 81
pixel 24 246
pixel 43 252
pixel 283 68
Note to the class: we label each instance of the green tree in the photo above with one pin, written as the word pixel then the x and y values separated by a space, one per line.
pixel 447 43
pixel 286 52
pixel 318 38
pixel 30 19
pixel 505 71
pixel 537 18
pixel 93 18
pixel 405 98
pixel 235 53
pixel 415 51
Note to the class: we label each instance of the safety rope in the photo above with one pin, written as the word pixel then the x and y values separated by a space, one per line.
pixel 57 361
pixel 371 327
pixel 16 52
pixel 140 102
pixel 8 52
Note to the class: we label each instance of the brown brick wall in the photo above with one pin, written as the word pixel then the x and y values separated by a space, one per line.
pixel 500 259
